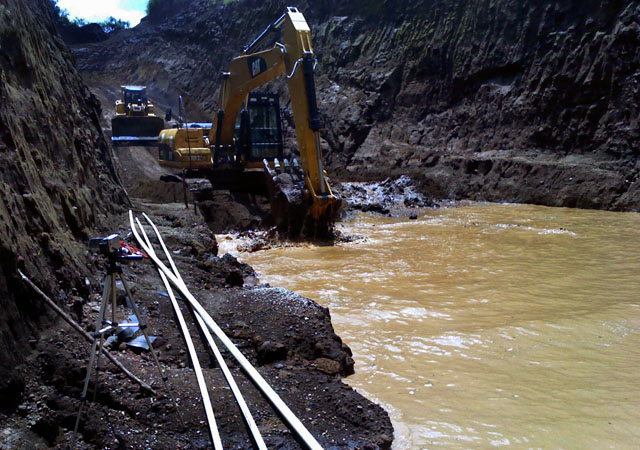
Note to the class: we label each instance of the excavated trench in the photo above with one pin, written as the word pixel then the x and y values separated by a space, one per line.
pixel 522 120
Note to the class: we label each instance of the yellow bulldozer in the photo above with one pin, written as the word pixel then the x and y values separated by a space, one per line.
pixel 135 122
pixel 245 138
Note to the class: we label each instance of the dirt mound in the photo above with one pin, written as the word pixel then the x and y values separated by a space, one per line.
pixel 140 173
pixel 398 197
pixel 225 210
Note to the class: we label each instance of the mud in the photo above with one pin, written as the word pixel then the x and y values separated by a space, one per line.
pixel 399 197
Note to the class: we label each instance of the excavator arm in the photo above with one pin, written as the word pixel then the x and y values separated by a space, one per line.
pixel 293 57
pixel 245 73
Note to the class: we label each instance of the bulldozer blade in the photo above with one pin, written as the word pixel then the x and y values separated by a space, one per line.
pixel 143 130
pixel 134 140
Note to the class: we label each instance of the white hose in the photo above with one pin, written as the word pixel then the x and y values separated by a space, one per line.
pixel 287 415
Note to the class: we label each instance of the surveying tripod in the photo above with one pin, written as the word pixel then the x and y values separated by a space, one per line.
pixel 110 247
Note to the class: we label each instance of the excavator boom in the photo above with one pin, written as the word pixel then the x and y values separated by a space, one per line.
pixel 294 58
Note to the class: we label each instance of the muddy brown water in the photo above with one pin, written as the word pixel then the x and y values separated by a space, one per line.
pixel 487 324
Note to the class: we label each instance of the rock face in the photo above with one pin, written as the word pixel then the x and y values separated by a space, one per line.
pixel 505 100
pixel 57 181
pixel 502 100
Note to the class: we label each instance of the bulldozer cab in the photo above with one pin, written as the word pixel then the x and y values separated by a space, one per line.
pixel 259 128
pixel 135 95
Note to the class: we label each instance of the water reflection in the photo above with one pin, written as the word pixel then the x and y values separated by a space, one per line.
pixel 486 325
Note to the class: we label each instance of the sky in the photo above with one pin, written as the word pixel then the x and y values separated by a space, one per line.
pixel 98 10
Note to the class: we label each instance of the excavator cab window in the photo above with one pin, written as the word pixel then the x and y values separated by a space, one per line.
pixel 265 127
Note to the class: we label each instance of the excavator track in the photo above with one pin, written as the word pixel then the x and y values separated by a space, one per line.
pixel 292 207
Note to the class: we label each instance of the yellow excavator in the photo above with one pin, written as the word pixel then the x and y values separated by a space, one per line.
pixel 246 134
pixel 135 122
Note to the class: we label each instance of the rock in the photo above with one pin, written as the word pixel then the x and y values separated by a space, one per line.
pixel 197 248
pixel 269 352
pixel 77 307
pixel 396 197
pixel 201 444
pixel 328 366
pixel 235 279
pixel 85 34
pixel 23 410
pixel 47 426
pixel 11 388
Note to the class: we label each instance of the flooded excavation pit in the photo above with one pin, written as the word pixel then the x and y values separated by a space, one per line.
pixel 487 324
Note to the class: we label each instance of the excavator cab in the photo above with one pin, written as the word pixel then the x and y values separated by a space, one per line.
pixel 259 129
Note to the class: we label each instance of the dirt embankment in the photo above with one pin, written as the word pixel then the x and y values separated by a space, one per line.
pixel 505 101
pixel 57 178
pixel 502 101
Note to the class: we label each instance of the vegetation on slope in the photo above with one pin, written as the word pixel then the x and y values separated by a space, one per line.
pixel 63 20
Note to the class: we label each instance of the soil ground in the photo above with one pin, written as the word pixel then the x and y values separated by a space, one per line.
pixel 289 338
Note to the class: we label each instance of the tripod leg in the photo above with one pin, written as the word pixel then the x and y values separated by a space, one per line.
pixel 95 375
pixel 153 353
pixel 111 297
pixel 92 355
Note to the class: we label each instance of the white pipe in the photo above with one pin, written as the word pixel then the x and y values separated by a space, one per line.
pixel 287 415
pixel 206 401
pixel 253 428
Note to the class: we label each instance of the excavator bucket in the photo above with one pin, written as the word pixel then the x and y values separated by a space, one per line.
pixel 136 130
pixel 295 211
